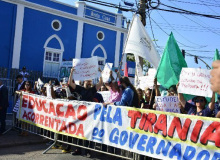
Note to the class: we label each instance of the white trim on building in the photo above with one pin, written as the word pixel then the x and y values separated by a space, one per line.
pixel 66 15
pixel 80 26
pixel 18 36
pixel 117 49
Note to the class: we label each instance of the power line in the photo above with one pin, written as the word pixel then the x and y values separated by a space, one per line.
pixel 169 35
pixel 177 31
pixel 209 8
pixel 199 24
pixel 183 11
pixel 195 3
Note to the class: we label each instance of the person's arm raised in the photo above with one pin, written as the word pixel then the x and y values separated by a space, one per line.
pixel 180 96
pixel 71 83
pixel 99 85
pixel 157 91
pixel 212 103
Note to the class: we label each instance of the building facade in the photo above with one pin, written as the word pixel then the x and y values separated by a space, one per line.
pixel 40 34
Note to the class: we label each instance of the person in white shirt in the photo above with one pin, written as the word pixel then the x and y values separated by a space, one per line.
pixel 24 74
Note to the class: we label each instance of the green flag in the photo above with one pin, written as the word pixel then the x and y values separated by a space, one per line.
pixel 171 64
pixel 216 57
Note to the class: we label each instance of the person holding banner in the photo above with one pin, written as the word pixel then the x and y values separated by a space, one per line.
pixel 27 89
pixel 199 108
pixel 87 93
pixel 129 95
pixel 140 94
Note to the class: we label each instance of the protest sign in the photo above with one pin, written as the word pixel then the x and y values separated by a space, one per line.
pixel 48 89
pixel 167 104
pixel 152 133
pixel 148 81
pixel 106 72
pixel 195 81
pixel 85 68
pixel 106 95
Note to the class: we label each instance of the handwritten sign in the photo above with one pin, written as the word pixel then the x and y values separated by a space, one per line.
pixel 106 95
pixel 151 133
pixel 85 68
pixel 167 104
pixel 106 72
pixel 148 81
pixel 195 81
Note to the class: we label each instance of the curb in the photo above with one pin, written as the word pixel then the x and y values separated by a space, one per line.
pixel 7 145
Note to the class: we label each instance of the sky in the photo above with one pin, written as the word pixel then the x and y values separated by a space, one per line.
pixel 195 34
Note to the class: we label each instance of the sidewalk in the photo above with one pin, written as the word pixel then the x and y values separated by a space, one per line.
pixel 11 138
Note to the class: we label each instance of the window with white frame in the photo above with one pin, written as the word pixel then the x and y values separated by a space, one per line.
pixel 52 58
pixel 51 64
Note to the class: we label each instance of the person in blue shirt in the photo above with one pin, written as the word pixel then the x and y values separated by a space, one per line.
pixel 129 95
pixel 199 108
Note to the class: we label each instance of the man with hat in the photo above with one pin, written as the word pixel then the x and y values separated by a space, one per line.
pixel 24 74
pixel 199 108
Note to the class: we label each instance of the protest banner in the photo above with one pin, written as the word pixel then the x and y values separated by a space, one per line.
pixel 152 133
pixel 106 95
pixel 167 104
pixel 85 68
pixel 106 72
pixel 195 81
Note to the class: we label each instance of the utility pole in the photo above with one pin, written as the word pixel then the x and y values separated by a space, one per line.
pixel 142 12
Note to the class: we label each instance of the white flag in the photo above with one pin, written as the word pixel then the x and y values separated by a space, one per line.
pixel 139 43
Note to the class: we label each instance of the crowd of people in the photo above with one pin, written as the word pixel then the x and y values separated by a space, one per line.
pixel 122 93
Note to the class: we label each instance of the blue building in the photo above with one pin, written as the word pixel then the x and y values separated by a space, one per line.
pixel 40 34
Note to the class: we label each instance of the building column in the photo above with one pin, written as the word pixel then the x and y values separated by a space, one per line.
pixel 18 36
pixel 79 37
pixel 118 39
pixel 125 56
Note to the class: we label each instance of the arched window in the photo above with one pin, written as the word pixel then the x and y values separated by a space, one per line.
pixel 53 56
pixel 100 52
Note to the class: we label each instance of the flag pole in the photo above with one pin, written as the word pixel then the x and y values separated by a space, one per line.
pixel 120 63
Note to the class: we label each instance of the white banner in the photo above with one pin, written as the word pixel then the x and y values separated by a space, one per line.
pixel 106 95
pixel 195 81
pixel 85 68
pixel 139 43
pixel 152 133
pixel 167 104
pixel 106 72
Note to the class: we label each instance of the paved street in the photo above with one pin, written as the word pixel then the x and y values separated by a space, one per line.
pixel 34 151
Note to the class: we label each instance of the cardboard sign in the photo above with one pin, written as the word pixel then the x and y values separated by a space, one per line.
pixel 106 72
pixel 156 134
pixel 85 68
pixel 106 95
pixel 195 81
pixel 148 81
pixel 167 104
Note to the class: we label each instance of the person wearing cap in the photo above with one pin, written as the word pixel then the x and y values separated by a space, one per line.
pixel 24 74
pixel 199 108
pixel 3 106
